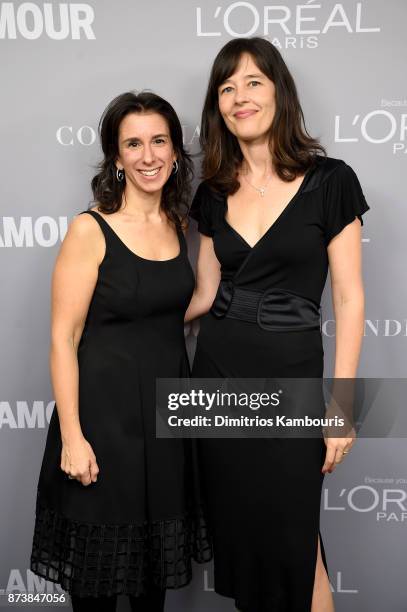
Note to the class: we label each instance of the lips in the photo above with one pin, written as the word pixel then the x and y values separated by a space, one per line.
pixel 149 173
pixel 243 114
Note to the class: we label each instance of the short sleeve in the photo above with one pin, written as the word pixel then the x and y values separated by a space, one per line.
pixel 202 210
pixel 343 201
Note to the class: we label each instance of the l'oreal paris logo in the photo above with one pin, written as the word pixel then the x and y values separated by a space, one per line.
pixel 376 127
pixel 309 19
pixel 388 505
pixel 31 20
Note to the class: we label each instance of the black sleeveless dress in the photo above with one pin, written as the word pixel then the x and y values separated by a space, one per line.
pixel 137 526
pixel 263 495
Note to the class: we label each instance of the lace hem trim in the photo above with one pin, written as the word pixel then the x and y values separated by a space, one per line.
pixel 94 560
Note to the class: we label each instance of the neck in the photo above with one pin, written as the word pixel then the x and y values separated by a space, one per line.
pixel 140 204
pixel 257 160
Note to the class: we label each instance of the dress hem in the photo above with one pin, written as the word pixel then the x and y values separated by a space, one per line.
pixel 89 559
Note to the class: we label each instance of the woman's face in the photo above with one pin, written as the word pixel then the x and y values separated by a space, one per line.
pixel 247 101
pixel 146 153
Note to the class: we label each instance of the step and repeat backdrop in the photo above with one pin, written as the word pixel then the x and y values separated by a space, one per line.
pixel 61 63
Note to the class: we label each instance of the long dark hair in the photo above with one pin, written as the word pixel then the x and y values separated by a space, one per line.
pixel 293 150
pixel 107 190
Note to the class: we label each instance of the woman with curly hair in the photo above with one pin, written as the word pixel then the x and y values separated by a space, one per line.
pixel 114 508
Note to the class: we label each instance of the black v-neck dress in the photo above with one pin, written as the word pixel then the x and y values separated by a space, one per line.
pixel 138 526
pixel 263 495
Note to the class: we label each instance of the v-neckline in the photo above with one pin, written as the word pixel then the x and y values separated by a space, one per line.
pixel 275 222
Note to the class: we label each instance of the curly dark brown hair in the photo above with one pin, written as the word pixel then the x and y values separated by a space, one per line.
pixel 107 190
pixel 293 149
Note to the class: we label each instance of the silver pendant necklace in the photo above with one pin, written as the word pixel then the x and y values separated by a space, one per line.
pixel 260 190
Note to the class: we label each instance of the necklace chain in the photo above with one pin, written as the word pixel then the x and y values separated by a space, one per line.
pixel 260 190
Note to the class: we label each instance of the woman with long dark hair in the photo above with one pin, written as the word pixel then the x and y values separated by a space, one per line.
pixel 114 509
pixel 274 212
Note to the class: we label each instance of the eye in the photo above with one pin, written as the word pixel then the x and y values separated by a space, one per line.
pixel 254 83
pixel 160 141
pixel 134 144
pixel 226 89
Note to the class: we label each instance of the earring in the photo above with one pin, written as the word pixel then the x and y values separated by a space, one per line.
pixel 175 167
pixel 119 174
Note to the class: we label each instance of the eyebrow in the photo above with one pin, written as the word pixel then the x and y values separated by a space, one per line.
pixel 133 138
pixel 246 76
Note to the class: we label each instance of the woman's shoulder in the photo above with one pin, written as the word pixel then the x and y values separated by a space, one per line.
pixel 83 240
pixel 206 191
pixel 327 170
pixel 83 223
pixel 83 227
pixel 208 206
pixel 326 165
pixel 206 200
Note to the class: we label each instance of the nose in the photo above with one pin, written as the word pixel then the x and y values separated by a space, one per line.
pixel 241 95
pixel 148 154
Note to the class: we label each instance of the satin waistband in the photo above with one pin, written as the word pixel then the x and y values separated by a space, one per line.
pixel 273 310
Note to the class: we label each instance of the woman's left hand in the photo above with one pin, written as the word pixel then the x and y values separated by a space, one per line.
pixel 336 450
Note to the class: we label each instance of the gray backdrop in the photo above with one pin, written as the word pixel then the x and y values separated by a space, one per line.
pixel 61 64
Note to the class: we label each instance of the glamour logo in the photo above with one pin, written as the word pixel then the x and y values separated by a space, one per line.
pixel 299 27
pixel 29 583
pixel 28 232
pixel 67 135
pixel 389 505
pixel 31 20
pixel 23 415
pixel 387 328
pixel 376 127
pixel 338 583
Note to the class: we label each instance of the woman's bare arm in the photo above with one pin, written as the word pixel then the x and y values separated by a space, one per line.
pixel 73 283
pixel 207 280
pixel 345 262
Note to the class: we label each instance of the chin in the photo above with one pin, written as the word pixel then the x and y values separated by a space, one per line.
pixel 147 186
pixel 152 188
pixel 249 136
pixel 252 134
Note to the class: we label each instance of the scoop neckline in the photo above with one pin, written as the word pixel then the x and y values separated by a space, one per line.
pixel 136 254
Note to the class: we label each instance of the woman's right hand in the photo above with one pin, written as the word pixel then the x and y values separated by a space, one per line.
pixel 79 461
